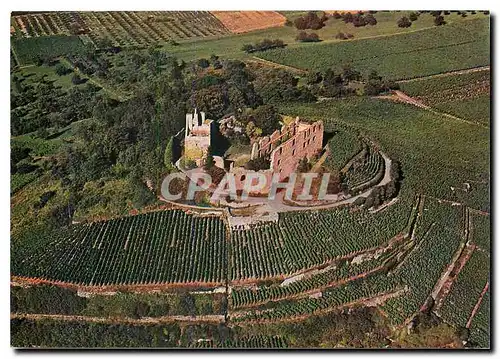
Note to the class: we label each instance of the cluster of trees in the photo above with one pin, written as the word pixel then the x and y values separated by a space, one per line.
pixel 305 37
pixel 406 21
pixel 358 20
pixel 39 105
pixel 90 63
pixel 265 44
pixel 278 86
pixel 310 21
pixel 330 84
pixel 375 85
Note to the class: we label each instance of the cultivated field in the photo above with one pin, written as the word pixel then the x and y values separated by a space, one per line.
pixel 121 28
pixel 245 21
pixel 403 56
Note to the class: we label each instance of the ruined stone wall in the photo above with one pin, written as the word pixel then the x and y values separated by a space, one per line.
pixel 307 142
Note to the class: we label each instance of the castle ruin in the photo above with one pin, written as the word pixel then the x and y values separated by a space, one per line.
pixel 197 138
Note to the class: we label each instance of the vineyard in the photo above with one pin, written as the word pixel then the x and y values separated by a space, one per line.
pixel 413 266
pixel 482 231
pixel 157 247
pixel 466 290
pixel 398 56
pixel 365 171
pixel 480 326
pixel 343 146
pixel 121 28
pixel 288 246
pixel 245 297
pixel 463 95
pixel 334 297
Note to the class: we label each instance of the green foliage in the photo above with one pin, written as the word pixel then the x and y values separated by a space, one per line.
pixel 29 50
pixel 168 155
pixel 44 299
pixel 53 334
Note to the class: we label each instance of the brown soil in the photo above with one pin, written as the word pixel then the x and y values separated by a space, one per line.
pixel 139 288
pixel 478 304
pixel 245 21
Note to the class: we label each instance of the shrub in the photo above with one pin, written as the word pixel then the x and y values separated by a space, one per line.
pixel 203 63
pixel 404 22
pixel 62 70
pixel 439 20
pixel 305 37
pixel 413 16
pixel 265 44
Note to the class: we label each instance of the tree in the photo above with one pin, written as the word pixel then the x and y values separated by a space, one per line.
pixel 257 164
pixel 168 155
pixel 439 20
pixel 76 79
pixel 203 63
pixel 209 162
pixel 265 117
pixel 303 165
pixel 413 16
pixel 62 70
pixel 370 19
pixel 305 37
pixel 404 22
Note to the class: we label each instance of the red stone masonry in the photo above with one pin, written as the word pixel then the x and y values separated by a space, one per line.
pixel 307 142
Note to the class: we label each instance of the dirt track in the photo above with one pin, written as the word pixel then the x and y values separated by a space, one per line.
pixel 142 321
pixel 445 74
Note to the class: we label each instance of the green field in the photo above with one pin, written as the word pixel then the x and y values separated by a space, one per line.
pixel 419 53
pixel 466 95
pixel 230 46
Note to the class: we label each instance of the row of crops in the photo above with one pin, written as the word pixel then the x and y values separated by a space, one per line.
pixel 439 234
pixel 343 146
pixel 479 334
pixel 368 169
pixel 466 290
pixel 122 28
pixel 481 231
pixel 291 244
pixel 245 297
pixel 253 342
pixel 367 287
pixel 157 247
pixel 464 95
pixel 398 56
